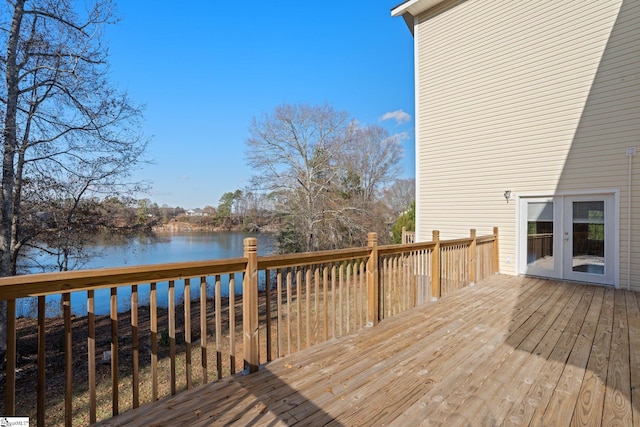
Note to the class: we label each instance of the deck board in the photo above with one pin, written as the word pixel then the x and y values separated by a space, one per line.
pixel 617 407
pixel 588 411
pixel 507 351
pixel 633 313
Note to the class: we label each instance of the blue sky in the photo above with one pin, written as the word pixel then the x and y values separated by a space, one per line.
pixel 204 69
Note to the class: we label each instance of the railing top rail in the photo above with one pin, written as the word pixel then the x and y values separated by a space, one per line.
pixel 408 247
pixel 310 258
pixel 454 242
pixel 485 239
pixel 81 280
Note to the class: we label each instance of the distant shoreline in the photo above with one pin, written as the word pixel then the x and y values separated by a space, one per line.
pixel 181 226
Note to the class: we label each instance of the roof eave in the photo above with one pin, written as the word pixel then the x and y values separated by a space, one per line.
pixel 414 7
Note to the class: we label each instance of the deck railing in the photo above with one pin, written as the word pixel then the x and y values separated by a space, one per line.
pixel 139 353
pixel 408 236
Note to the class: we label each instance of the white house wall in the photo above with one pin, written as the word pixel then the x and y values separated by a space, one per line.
pixel 533 97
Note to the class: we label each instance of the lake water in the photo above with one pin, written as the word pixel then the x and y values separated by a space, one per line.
pixel 164 248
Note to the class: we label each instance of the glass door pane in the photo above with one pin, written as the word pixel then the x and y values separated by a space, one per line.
pixel 588 228
pixel 540 235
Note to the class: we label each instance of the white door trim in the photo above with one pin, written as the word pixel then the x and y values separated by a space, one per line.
pixel 559 204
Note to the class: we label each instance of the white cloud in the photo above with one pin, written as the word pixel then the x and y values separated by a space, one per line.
pixel 402 136
pixel 399 116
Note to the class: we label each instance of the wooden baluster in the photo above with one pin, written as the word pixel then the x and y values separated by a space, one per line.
pixel 396 285
pixel 404 260
pixel 419 272
pixel 413 282
pixel 153 309
pixel 399 287
pixel 307 280
pixel 356 294
pixel 42 357
pixel 435 266
pixel 325 302
pixel 496 252
pixel 267 290
pixel 453 261
pixel 232 326
pixel 349 273
pixel 10 387
pixel 289 308
pixel 451 268
pixel 473 265
pixel 203 329
pixel 447 276
pixel 388 284
pixel 443 270
pixel 444 275
pixel 218 305
pixel 316 302
pixel 363 294
pixel 68 360
pixel 341 300
pixel 114 350
pixel 408 279
pixel 334 316
pixel 187 330
pixel 373 281
pixel 91 354
pixel 402 295
pixel 298 306
pixel 388 279
pixel 135 346
pixel 172 335
pixel 279 323
pixel 384 288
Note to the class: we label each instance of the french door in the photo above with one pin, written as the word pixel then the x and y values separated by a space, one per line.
pixel 568 237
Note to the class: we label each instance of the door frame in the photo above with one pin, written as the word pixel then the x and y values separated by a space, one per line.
pixel 559 218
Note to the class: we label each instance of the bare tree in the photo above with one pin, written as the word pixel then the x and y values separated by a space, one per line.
pixel 61 116
pixel 55 217
pixel 400 195
pixel 293 150
pixel 372 156
pixel 326 171
pixel 369 159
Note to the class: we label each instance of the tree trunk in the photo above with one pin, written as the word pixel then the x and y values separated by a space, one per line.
pixel 9 149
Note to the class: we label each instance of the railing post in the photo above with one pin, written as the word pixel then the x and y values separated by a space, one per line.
pixel 435 266
pixel 372 281
pixel 250 306
pixel 472 258
pixel 496 252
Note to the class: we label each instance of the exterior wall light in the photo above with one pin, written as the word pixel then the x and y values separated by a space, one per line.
pixel 507 195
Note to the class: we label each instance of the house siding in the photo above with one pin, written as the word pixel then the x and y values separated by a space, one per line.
pixel 532 97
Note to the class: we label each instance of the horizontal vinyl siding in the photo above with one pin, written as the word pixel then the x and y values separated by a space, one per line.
pixel 533 97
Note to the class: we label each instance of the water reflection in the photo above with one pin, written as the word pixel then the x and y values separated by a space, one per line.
pixel 158 249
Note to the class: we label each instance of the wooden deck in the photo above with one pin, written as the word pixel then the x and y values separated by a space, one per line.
pixel 508 351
